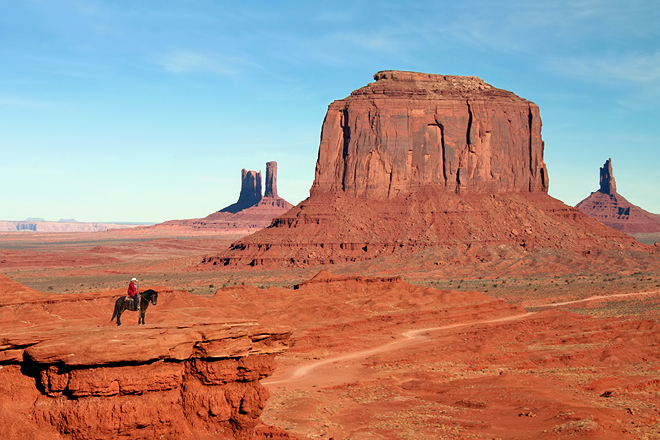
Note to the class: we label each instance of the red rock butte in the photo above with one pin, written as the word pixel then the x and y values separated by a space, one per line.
pixel 612 209
pixel 410 130
pixel 251 212
pixel 448 168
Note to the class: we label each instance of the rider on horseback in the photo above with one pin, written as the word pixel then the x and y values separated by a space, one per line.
pixel 134 294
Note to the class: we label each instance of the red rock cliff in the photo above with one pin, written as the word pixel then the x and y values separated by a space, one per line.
pixel 411 130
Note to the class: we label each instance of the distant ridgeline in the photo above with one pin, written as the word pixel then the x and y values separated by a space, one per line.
pixel 64 225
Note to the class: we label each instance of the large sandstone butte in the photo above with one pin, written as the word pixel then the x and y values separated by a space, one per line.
pixel 447 168
pixel 409 131
pixel 251 212
pixel 612 209
pixel 67 372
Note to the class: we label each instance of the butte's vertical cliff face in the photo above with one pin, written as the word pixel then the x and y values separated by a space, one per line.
pixel 409 131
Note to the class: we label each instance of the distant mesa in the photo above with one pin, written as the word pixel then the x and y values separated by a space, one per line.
pixel 67 220
pixel 252 211
pixel 40 225
pixel 423 172
pixel 610 208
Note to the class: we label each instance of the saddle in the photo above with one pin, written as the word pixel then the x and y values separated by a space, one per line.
pixel 133 301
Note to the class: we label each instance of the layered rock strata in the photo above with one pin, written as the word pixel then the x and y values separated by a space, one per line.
pixel 65 373
pixel 448 168
pixel 612 209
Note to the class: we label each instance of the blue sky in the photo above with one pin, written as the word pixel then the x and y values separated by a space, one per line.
pixel 146 111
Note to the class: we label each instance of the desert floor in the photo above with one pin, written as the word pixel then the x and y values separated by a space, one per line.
pixel 479 357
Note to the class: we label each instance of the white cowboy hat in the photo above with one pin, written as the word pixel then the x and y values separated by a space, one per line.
pixel 133 279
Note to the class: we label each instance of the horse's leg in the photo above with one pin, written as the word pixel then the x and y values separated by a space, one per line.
pixel 121 310
pixel 143 309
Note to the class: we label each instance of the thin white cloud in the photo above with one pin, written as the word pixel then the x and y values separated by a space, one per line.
pixel 636 75
pixel 10 101
pixel 184 62
pixel 633 68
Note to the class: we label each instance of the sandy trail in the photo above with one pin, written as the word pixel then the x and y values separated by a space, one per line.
pixel 412 337
pixel 597 297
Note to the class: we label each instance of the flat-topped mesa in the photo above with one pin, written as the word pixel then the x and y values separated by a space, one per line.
pixel 271 179
pixel 411 131
pixel 607 183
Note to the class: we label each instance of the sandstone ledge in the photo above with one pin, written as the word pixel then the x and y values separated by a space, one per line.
pixel 180 380
pixel 100 345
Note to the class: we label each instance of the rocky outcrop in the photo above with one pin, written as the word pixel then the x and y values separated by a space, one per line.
pixel 449 169
pixel 612 209
pixel 65 372
pixel 409 131
pixel 163 381
pixel 250 213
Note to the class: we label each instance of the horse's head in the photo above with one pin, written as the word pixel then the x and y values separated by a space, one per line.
pixel 154 298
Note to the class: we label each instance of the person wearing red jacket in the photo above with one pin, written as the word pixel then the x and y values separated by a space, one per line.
pixel 134 294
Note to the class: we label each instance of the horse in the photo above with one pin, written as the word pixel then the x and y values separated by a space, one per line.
pixel 146 297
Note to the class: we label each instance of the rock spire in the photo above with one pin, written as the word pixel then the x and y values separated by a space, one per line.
pixel 271 179
pixel 612 209
pixel 607 183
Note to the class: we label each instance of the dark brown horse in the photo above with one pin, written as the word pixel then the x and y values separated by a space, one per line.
pixel 146 297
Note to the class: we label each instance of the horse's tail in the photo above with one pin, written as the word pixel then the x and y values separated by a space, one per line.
pixel 116 312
